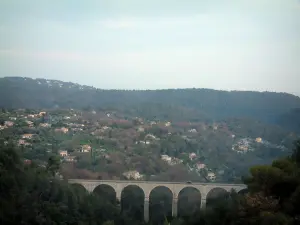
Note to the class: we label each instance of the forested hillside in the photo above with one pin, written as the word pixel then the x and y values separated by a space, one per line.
pixel 190 104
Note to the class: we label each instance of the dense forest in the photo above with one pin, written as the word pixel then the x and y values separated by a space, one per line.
pixel 172 104
pixel 31 194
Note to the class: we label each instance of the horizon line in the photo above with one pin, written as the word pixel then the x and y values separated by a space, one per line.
pixel 158 89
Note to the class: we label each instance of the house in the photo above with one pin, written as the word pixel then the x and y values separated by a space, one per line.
pixel 8 123
pixel 42 113
pixel 258 140
pixel 29 123
pixel 23 142
pixel 192 131
pixel 63 153
pixel 27 136
pixel 211 176
pixel 133 175
pixel 45 125
pixel 152 123
pixel 27 161
pixel 141 129
pixel 86 148
pixel 192 156
pixel 70 158
pixel 62 129
pixel 2 127
pixel 200 166
pixel 150 136
pixel 166 158
pixel 167 124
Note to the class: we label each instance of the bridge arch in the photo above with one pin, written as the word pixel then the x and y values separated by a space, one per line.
pixel 216 194
pixel 189 201
pixel 243 191
pixel 160 203
pixel 107 192
pixel 132 201
pixel 78 187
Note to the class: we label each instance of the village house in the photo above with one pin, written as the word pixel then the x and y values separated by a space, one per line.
pixel 63 153
pixel 192 131
pixel 166 158
pixel 192 156
pixel 151 136
pixel 31 116
pixel 27 161
pixel 133 175
pixel 42 113
pixel 46 125
pixel 211 176
pixel 200 166
pixel 141 129
pixel 258 140
pixel 13 118
pixel 86 148
pixel 62 129
pixel 70 158
pixel 167 124
pixel 2 127
pixel 8 123
pixel 29 123
pixel 27 136
pixel 23 142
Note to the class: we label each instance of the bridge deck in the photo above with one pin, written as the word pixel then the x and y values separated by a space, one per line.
pixel 151 182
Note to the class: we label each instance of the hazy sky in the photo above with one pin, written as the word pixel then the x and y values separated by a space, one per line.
pixel 148 44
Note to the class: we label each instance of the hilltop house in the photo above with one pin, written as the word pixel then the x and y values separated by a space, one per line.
pixel 62 129
pixel 86 148
pixel 27 136
pixel 133 175
pixel 8 123
pixel 63 153
pixel 211 176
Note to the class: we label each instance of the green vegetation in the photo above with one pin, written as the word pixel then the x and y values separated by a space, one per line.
pixel 33 194
pixel 107 145
pixel 175 105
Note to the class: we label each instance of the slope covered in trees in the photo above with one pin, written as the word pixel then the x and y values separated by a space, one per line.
pixel 193 104
pixel 31 194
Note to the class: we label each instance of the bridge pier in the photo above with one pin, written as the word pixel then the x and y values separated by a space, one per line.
pixel 203 203
pixel 146 209
pixel 174 207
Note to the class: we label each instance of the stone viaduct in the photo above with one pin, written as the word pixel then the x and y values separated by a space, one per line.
pixel 148 186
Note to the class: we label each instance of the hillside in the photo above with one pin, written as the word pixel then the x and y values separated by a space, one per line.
pixel 174 105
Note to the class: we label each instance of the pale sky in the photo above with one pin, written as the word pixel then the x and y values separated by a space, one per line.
pixel 154 44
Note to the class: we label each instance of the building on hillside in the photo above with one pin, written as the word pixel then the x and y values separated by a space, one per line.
pixel 200 166
pixel 63 153
pixel 23 142
pixel 192 156
pixel 167 124
pixel 42 113
pixel 70 158
pixel 192 131
pixel 86 148
pixel 133 175
pixel 166 158
pixel 62 129
pixel 211 176
pixel 27 136
pixel 258 140
pixel 8 123
pixel 46 125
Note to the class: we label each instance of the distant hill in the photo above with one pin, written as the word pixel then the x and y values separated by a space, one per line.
pixel 169 104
